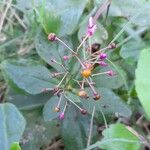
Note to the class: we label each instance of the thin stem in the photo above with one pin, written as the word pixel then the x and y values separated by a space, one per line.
pixel 104 118
pixel 99 73
pixel 82 85
pixel 58 105
pixel 118 72
pixel 65 107
pixel 92 88
pixel 130 37
pixel 60 65
pixel 103 49
pixel 62 80
pixel 82 43
pixel 91 127
pixel 72 102
pixel 65 45
pixel 101 10
pixel 80 62
pixel 126 25
pixel 4 15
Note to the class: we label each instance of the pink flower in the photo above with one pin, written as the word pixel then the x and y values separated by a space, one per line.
pixel 102 56
pixel 61 116
pixel 91 27
pixel 103 64
pixel 111 73
pixel 66 57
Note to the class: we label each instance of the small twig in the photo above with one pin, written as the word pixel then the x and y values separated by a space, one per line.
pixel 101 10
pixel 91 128
pixel 18 18
pixel 140 137
pixel 4 15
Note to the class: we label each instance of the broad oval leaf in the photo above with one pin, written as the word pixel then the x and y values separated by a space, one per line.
pixel 109 103
pixel 51 50
pixel 73 132
pixel 142 81
pixel 132 50
pixel 28 75
pixel 112 82
pixel 12 125
pixel 48 110
pixel 118 137
pixel 27 101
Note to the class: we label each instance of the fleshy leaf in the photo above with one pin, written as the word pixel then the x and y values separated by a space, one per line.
pixel 142 81
pixel 28 75
pixel 12 125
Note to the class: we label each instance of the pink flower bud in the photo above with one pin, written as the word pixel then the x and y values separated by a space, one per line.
pixel 52 37
pixel 103 64
pixel 112 46
pixel 61 116
pixel 91 27
pixel 102 56
pixel 111 73
pixel 66 58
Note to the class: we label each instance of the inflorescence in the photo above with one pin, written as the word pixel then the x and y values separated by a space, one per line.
pixel 93 56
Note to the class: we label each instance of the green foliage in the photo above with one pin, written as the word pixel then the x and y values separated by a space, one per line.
pixel 15 146
pixel 12 125
pixel 110 82
pixel 48 50
pixel 30 82
pixel 73 134
pixel 142 81
pixel 117 136
pixel 27 101
pixel 48 110
pixel 109 104
pixel 132 50
pixel 25 73
pixel 38 133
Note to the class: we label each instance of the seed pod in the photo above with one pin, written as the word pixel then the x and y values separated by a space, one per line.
pixel 52 37
pixel 82 94
pixel 83 111
pixel 97 97
pixel 56 109
pixel 86 73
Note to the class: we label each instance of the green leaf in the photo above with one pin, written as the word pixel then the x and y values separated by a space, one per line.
pixel 132 50
pixel 72 130
pixel 109 103
pixel 73 97
pixel 38 133
pixel 142 81
pixel 51 50
pixel 12 125
pixel 48 110
pixel 118 137
pixel 28 75
pixel 15 146
pixel 27 101
pixel 129 9
pixel 70 12
pixel 106 81
pixel 49 18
